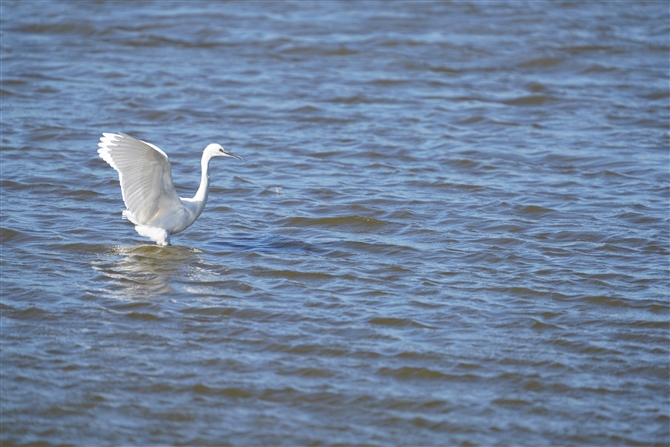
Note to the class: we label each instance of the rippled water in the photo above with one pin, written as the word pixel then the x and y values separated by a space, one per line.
pixel 452 227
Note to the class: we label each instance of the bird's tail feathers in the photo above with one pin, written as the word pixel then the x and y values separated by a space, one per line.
pixel 158 235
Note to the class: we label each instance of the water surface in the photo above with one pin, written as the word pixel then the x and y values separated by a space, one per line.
pixel 452 227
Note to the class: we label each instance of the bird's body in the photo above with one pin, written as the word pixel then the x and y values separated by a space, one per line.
pixel 148 191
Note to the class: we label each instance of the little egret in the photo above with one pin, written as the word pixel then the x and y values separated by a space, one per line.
pixel 146 185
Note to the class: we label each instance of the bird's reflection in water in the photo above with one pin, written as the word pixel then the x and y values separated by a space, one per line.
pixel 144 271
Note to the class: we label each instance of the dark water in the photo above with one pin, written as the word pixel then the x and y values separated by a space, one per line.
pixel 452 227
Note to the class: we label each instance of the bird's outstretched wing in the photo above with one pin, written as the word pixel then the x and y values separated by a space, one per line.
pixel 145 175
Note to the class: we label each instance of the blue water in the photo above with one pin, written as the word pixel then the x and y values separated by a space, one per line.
pixel 451 227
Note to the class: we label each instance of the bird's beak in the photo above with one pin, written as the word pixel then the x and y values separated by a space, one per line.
pixel 230 154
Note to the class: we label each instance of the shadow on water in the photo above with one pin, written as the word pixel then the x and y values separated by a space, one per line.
pixel 265 244
pixel 143 271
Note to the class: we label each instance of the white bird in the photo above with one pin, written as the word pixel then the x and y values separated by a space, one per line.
pixel 148 191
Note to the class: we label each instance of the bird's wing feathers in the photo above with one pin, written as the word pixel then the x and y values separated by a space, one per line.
pixel 145 175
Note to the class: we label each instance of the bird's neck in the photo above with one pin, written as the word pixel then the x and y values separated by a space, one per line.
pixel 203 191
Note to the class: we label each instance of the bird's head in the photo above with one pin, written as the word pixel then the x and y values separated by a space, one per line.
pixel 216 150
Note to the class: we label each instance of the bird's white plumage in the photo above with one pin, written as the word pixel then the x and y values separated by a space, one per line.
pixel 145 175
